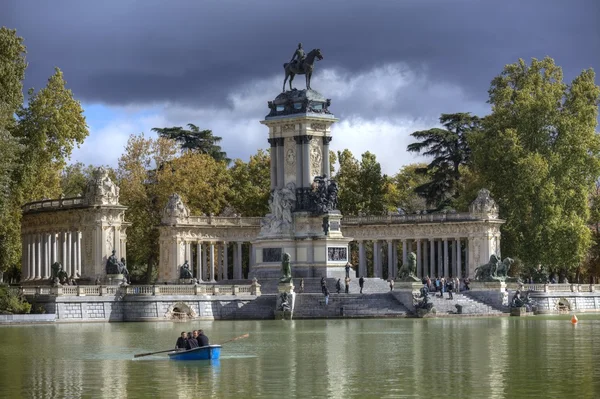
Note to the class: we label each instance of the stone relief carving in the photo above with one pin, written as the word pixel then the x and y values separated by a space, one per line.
pixel 318 126
pixel 316 158
pixel 281 206
pixel 337 254
pixel 110 239
pixel 101 190
pixel 484 204
pixel 175 208
pixel 288 127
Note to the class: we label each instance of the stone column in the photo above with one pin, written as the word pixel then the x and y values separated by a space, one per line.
pixel 78 253
pixel 440 267
pixel 419 260
pixel 395 260
pixel 280 162
pixel 454 258
pixel 299 157
pixel 188 251
pixel 47 253
pixel 212 262
pixel 26 257
pixel 468 269
pixel 31 266
pixel 362 260
pixel 38 250
pixel 273 153
pixel 64 249
pixel 306 177
pixel 226 261
pixel 446 260
pixel 54 256
pixel 238 271
pixel 390 249
pixel 404 252
pixel 375 257
pixel 326 141
pixel 425 257
pixel 459 259
pixel 199 261
pixel 69 266
pixel 431 258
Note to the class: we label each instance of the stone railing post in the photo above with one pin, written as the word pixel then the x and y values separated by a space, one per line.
pixel 592 288
pixel 255 287
pixel 574 287
pixel 545 287
pixel 56 291
pixel 155 290
pixel 80 291
pixel 215 290
pixel 197 289
pixel 236 290
pixel 103 290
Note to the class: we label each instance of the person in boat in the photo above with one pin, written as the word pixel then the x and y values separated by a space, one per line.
pixel 202 339
pixel 181 341
pixel 191 342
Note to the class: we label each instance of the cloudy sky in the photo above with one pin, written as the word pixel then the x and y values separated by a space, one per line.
pixel 390 67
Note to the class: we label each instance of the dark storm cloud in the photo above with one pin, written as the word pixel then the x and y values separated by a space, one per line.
pixel 196 52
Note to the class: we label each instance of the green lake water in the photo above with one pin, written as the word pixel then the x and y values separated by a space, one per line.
pixel 451 358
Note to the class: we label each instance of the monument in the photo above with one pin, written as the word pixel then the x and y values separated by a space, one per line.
pixel 303 219
pixel 285 301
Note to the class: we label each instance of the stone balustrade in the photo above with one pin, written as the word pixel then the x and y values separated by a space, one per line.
pixel 53 204
pixel 397 218
pixel 171 290
pixel 539 287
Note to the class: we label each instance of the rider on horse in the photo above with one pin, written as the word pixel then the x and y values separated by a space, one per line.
pixel 299 56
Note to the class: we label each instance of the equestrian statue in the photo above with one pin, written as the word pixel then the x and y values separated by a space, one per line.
pixel 301 64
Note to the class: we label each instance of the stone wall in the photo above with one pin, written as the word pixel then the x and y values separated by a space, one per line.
pixel 156 308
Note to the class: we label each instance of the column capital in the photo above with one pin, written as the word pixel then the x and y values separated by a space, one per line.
pixel 327 140
pixel 273 142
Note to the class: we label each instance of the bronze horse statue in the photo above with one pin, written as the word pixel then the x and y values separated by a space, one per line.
pixel 292 69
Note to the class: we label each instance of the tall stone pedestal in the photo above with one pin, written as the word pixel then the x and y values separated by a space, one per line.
pixel 282 312
pixel 303 220
pixel 492 293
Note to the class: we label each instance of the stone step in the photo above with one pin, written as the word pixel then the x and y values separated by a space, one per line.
pixel 348 305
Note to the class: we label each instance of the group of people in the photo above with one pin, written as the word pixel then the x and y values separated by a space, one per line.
pixel 338 285
pixel 192 340
pixel 443 284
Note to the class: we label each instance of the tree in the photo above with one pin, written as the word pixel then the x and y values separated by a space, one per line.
pixel 12 73
pixel 250 185
pixel 362 186
pixel 195 140
pixel 405 182
pixel 538 153
pixel 450 150
pixel 50 127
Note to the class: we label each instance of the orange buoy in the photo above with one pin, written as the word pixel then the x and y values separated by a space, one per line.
pixel 574 320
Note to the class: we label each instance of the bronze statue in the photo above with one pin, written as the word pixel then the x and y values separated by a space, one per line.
pixel 408 271
pixel 303 66
pixel 184 272
pixel 299 56
pixel 494 270
pixel 112 264
pixel 286 269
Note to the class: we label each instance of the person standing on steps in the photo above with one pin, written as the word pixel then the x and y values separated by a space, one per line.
pixel 347 281
pixel 338 286
pixel 450 286
pixel 348 269
pixel 361 283
pixel 323 285
pixel 391 284
pixel 302 285
pixel 326 293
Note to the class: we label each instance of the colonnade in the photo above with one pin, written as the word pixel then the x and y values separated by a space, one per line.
pixel 443 257
pixel 209 260
pixel 41 250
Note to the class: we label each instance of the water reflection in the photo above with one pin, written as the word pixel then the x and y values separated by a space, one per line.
pixel 462 358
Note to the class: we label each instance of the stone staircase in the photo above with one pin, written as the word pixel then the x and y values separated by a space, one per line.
pixel 261 308
pixel 312 285
pixel 310 306
pixel 469 305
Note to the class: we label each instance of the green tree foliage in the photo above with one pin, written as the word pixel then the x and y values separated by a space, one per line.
pixel 149 172
pixel 194 140
pixel 362 186
pixel 538 154
pixel 405 183
pixel 74 178
pixel 12 303
pixel 450 150
pixel 250 185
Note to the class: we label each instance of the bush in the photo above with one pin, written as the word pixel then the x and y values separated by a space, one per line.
pixel 13 303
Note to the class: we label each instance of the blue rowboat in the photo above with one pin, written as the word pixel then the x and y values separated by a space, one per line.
pixel 210 352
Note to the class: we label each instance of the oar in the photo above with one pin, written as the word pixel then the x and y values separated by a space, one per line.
pixel 171 350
